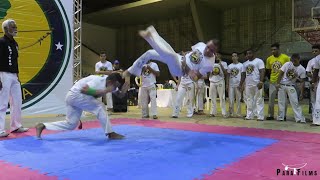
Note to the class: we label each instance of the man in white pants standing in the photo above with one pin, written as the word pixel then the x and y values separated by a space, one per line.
pixel 137 80
pixel 315 85
pixel 104 67
pixel 217 86
pixel 185 90
pixel 148 89
pixel 10 88
pixel 200 93
pixel 83 97
pixel 288 75
pixel 273 65
pixel 196 63
pixel 309 70
pixel 233 85
pixel 253 75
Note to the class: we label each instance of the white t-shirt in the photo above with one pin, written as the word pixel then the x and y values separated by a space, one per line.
pixel 217 72
pixel 234 71
pixel 317 62
pixel 197 61
pixel 251 68
pixel 93 81
pixel 149 78
pixel 312 64
pixel 292 73
pixel 185 79
pixel 310 67
pixel 106 66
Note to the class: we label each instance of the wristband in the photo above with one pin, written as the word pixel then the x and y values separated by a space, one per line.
pixel 91 91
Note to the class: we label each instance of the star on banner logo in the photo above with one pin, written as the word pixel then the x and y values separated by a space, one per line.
pixel 59 46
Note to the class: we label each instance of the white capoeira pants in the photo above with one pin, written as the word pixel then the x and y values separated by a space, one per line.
pixel 272 97
pixel 10 92
pixel 285 90
pixel 313 93
pixel 235 94
pixel 184 91
pixel 109 100
pixel 139 97
pixel 218 88
pixel 161 51
pixel 76 103
pixel 316 112
pixel 200 96
pixel 149 93
pixel 255 102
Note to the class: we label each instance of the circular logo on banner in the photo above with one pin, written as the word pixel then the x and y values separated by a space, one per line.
pixel 276 66
pixel 250 69
pixel 44 38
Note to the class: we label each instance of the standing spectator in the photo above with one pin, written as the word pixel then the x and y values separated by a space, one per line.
pixel 148 89
pixel 104 67
pixel 200 93
pixel 10 87
pixel 116 67
pixel 253 76
pixel 289 73
pixel 185 90
pixel 233 85
pixel 273 65
pixel 315 86
pixel 217 85
pixel 310 69
pixel 138 83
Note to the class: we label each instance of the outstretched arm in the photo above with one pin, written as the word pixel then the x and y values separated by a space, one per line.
pixel 96 93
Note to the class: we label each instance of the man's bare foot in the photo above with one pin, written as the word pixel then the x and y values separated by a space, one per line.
pixel 39 128
pixel 114 135
pixel 144 33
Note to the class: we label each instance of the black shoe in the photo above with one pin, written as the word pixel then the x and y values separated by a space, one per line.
pixel 270 118
pixel 174 116
pixel 285 119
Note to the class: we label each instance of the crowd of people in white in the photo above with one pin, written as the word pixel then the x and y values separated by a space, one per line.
pixel 243 81
pixel 239 81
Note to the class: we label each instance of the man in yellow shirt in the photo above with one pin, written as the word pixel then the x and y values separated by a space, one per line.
pixel 273 65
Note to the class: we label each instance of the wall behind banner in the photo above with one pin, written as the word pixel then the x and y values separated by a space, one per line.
pixel 45 41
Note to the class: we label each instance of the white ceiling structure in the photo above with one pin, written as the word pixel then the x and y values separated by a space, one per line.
pixel 144 11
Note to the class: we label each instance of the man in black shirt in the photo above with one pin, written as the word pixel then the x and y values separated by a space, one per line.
pixel 9 81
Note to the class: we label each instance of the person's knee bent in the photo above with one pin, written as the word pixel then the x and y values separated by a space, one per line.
pixel 150 53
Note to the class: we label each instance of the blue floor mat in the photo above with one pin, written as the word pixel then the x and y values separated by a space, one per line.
pixel 146 153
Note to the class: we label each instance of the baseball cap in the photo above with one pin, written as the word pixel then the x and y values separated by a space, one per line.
pixel 116 62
